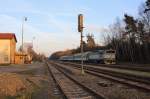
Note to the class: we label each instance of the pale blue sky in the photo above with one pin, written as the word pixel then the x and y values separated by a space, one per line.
pixel 54 22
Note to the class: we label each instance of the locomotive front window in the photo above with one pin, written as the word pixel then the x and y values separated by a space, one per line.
pixel 110 52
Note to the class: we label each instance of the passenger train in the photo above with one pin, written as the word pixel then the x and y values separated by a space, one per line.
pixel 99 56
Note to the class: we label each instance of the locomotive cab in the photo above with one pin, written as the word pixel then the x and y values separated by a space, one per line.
pixel 110 57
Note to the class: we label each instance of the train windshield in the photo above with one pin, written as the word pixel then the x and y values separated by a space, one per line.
pixel 110 51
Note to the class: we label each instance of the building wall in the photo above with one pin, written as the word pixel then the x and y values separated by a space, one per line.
pixel 12 50
pixel 5 51
pixel 18 59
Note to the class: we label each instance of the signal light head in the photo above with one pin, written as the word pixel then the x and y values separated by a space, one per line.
pixel 80 22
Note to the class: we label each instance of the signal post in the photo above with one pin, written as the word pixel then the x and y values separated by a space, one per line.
pixel 80 29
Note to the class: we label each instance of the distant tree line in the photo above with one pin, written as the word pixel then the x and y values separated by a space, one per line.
pixel 35 56
pixel 131 36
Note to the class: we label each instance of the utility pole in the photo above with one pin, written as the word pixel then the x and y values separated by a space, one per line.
pixel 24 19
pixel 80 29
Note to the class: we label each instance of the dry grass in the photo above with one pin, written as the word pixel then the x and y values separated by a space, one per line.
pixel 11 84
pixel 24 83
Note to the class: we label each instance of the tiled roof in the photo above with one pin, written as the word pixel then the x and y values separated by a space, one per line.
pixel 8 36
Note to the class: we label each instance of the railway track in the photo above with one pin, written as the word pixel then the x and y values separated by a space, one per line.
pixel 71 88
pixel 130 80
pixel 55 91
pixel 128 67
pixel 143 68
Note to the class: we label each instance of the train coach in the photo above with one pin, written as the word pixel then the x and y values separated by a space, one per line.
pixel 96 57
pixel 99 56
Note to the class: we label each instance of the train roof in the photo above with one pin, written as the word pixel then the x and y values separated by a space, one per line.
pixel 85 53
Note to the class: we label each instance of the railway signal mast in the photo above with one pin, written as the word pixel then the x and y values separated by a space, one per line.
pixel 80 29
